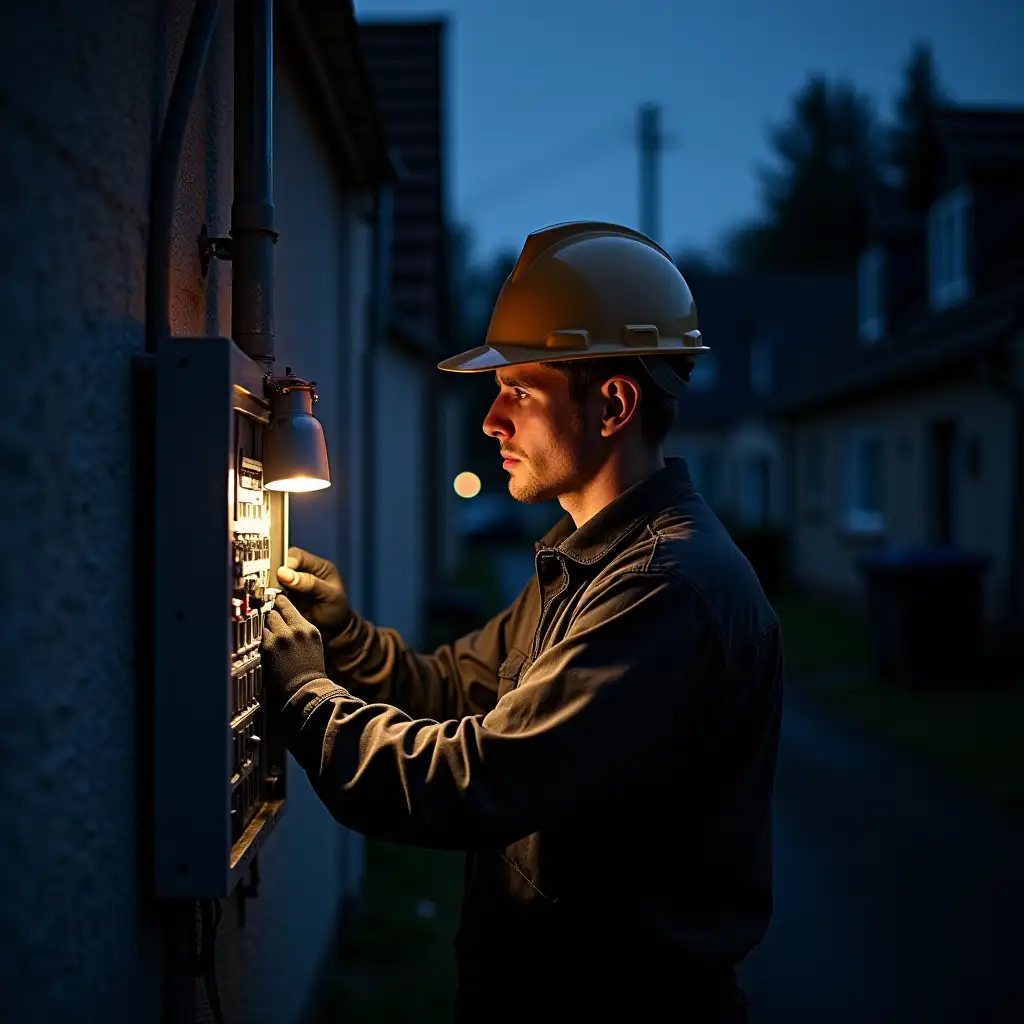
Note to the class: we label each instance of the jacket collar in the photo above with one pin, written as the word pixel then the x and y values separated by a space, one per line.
pixel 630 510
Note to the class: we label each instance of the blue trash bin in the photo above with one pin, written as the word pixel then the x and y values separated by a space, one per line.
pixel 925 614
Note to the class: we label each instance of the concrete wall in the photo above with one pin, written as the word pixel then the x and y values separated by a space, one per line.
pixel 82 93
pixel 825 551
pixel 78 95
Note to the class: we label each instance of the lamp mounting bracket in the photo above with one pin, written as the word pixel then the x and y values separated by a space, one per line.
pixel 213 249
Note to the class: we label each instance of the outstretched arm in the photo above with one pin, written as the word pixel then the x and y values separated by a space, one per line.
pixel 589 714
pixel 375 664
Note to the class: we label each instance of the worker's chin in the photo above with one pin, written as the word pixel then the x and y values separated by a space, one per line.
pixel 528 490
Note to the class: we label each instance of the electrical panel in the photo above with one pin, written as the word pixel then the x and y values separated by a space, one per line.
pixel 219 769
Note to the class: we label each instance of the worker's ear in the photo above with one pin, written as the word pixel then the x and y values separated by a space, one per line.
pixel 620 404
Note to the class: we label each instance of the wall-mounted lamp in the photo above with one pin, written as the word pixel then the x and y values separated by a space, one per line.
pixel 294 449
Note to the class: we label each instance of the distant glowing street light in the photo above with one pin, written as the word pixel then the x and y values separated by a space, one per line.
pixel 467 485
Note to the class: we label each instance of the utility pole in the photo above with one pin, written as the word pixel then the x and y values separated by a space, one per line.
pixel 649 143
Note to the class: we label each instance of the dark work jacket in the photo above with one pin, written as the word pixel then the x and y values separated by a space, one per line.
pixel 604 749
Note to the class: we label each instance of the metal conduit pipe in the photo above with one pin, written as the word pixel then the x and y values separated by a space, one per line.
pixel 252 211
pixel 165 170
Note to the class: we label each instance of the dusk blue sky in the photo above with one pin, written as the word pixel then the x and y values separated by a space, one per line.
pixel 542 96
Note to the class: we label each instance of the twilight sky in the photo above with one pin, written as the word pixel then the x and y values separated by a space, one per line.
pixel 542 95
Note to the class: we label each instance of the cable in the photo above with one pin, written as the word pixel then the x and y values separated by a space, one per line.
pixel 165 170
pixel 206 966
pixel 564 158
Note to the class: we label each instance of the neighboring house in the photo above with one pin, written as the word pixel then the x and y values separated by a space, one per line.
pixel 911 430
pixel 83 93
pixel 418 408
pixel 755 325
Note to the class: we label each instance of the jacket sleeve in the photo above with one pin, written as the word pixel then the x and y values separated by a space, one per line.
pixel 587 715
pixel 456 680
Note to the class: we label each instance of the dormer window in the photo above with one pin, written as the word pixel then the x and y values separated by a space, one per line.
pixel 949 241
pixel 871 294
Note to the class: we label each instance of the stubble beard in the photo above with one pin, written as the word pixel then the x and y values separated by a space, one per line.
pixel 527 492
pixel 532 488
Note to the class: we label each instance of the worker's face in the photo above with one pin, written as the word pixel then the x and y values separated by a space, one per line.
pixel 552 444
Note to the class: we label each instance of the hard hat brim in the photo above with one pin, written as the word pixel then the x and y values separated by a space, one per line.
pixel 492 357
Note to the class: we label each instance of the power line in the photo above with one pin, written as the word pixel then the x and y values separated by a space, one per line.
pixel 566 158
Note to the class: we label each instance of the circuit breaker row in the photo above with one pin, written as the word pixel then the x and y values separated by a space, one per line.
pixel 246 685
pixel 252 553
pixel 246 790
pixel 248 628
pixel 247 742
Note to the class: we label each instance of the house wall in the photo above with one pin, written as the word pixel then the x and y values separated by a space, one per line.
pixel 83 88
pixel 401 490
pixel 720 462
pixel 73 192
pixel 704 450
pixel 826 552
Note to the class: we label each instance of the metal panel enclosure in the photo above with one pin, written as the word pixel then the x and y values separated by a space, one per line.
pixel 219 778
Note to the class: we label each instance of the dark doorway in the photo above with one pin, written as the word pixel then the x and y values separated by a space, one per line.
pixel 943 437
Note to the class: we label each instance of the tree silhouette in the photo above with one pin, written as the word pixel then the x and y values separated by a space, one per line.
pixel 828 157
pixel 915 153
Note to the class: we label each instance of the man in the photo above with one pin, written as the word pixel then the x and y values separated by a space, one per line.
pixel 604 749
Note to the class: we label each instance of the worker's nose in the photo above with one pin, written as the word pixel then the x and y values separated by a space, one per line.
pixel 496 423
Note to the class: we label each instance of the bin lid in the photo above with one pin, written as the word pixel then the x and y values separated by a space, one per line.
pixel 941 555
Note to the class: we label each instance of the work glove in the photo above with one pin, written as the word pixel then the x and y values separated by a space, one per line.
pixel 315 586
pixel 292 652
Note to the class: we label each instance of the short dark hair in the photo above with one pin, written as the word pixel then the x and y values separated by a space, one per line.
pixel 657 407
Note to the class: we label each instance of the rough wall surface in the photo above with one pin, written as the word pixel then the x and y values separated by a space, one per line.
pixel 77 100
pixel 82 92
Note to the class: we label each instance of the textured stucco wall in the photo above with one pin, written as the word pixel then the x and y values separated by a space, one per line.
pixel 82 91
pixel 77 98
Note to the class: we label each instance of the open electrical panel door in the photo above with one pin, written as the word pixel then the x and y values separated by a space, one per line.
pixel 219 770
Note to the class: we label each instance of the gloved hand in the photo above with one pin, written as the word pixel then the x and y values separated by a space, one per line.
pixel 291 652
pixel 315 586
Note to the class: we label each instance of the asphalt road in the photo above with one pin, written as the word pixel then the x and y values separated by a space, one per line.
pixel 899 896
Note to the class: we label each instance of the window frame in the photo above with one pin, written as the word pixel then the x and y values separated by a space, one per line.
pixel 857 517
pixel 871 294
pixel 950 238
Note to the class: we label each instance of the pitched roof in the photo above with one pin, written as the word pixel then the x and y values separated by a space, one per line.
pixel 983 140
pixel 792 313
pixel 325 34
pixel 889 214
pixel 938 342
pixel 405 61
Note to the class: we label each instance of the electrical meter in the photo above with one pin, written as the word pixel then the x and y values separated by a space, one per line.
pixel 219 770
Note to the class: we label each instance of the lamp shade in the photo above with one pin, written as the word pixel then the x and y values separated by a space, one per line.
pixel 294 447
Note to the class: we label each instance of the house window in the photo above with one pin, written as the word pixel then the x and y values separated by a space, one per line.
pixel 704 375
pixel 949 245
pixel 864 475
pixel 871 294
pixel 761 366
